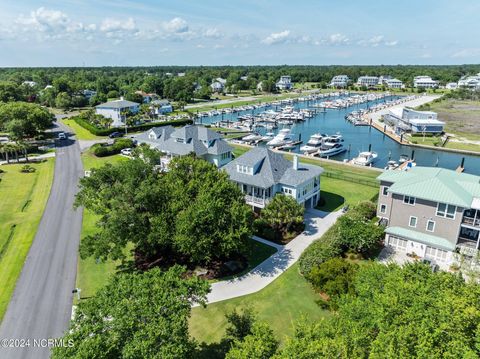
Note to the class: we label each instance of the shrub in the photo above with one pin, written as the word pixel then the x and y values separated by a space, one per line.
pixel 333 277
pixel 360 236
pixel 323 249
pixel 364 210
pixel 100 150
pixel 27 169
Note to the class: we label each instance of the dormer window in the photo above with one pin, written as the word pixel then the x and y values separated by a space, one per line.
pixel 245 169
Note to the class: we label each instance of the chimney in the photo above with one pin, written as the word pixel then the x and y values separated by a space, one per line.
pixel 295 162
pixel 121 98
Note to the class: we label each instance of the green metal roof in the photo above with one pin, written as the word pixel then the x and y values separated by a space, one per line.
pixel 435 184
pixel 428 239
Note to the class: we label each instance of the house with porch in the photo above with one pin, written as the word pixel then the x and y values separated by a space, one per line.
pixel 205 143
pixel 115 110
pixel 261 173
pixel 430 212
pixel 161 107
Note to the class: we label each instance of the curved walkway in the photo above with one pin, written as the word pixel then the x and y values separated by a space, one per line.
pixel 316 224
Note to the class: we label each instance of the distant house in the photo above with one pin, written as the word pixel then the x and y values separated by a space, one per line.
pixel 218 85
pixel 244 78
pixel 181 74
pixel 205 143
pixel 394 84
pixel 285 83
pixel 451 86
pixel 161 107
pixel 147 97
pixel 367 81
pixel 424 82
pixel 114 110
pixel 261 173
pixel 89 93
pixel 405 119
pixel 48 87
pixel 470 82
pixel 340 81
pixel 29 83
pixel 430 212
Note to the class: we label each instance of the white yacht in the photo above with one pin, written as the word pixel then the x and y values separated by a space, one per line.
pixel 365 158
pixel 329 149
pixel 268 136
pixel 314 143
pixel 282 138
pixel 252 137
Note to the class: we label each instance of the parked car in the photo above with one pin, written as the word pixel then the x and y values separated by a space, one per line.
pixel 115 134
pixel 126 152
pixel 62 136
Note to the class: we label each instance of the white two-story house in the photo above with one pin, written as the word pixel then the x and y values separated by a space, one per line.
pixel 261 173
pixel 115 109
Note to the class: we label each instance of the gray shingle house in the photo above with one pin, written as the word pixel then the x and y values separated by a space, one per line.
pixel 205 143
pixel 261 173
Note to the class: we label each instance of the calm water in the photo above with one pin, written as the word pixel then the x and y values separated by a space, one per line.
pixel 358 138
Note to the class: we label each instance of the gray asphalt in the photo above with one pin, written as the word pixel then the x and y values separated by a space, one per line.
pixel 42 301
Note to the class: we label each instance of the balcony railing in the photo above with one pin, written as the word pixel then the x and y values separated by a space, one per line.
pixel 258 201
pixel 474 222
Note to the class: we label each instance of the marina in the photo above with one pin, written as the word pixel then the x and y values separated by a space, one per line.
pixel 327 114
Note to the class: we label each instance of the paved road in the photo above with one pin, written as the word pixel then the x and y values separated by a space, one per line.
pixel 316 224
pixel 42 301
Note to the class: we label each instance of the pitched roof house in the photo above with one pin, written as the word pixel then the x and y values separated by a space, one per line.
pixel 261 173
pixel 114 109
pixel 205 143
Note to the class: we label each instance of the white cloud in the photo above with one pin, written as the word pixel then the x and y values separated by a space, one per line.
pixel 338 39
pixel 277 38
pixel 45 20
pixel 176 26
pixel 114 25
pixel 391 43
pixel 212 33
pixel 377 40
pixel 470 52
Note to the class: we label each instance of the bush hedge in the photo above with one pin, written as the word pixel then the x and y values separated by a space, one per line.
pixel 106 131
pixel 101 150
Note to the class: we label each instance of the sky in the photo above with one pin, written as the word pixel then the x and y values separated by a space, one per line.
pixel 234 32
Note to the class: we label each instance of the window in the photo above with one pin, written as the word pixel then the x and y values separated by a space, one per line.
pixel 446 210
pixel 409 200
pixel 385 190
pixel 412 222
pixel 287 190
pixel 397 243
pixel 435 253
pixel 383 208
pixel 430 226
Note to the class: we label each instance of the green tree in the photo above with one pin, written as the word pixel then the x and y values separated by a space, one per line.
pixel 136 315
pixel 240 324
pixel 63 100
pixel 9 91
pixel 333 277
pixel 359 235
pixel 24 120
pixel 283 213
pixel 260 344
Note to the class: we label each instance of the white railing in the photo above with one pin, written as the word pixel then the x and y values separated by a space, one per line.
pixel 256 200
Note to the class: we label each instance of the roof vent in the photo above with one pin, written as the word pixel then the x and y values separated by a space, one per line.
pixel 295 163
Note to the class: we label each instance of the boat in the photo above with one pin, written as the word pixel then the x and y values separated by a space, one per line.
pixel 329 149
pixel 334 138
pixel 252 137
pixel 365 158
pixel 268 136
pixel 283 137
pixel 314 143
pixel 403 158
pixel 391 165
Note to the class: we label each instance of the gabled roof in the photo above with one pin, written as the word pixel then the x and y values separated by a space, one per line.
pixel 435 184
pixel 193 140
pixel 270 168
pixel 118 104
pixel 160 102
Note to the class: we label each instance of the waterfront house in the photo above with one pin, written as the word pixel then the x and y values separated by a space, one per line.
pixel 404 119
pixel 115 110
pixel 470 82
pixel 430 212
pixel 394 84
pixel 218 85
pixel 367 81
pixel 340 81
pixel 285 83
pixel 160 107
pixel 205 143
pixel 261 173
pixel 424 82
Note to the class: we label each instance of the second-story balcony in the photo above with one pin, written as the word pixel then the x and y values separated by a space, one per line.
pixel 256 201
pixel 469 221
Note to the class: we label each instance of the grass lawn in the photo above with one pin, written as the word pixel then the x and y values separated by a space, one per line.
pixel 336 193
pixel 80 132
pixel 92 275
pixel 23 199
pixel 280 304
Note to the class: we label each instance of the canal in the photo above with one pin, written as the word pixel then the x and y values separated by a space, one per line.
pixel 359 138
